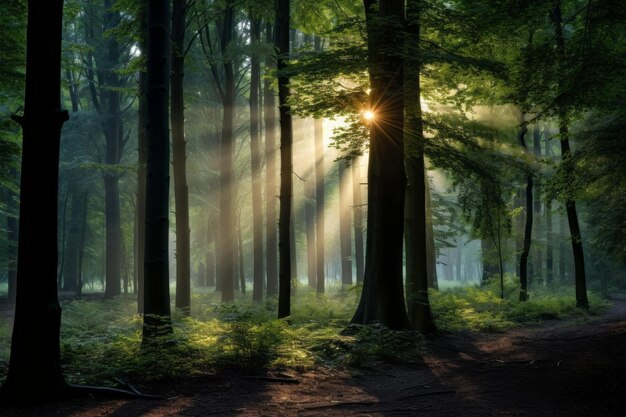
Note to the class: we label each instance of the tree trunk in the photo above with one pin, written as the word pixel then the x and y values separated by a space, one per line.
pixel 537 224
pixel 210 280
pixel 34 372
pixel 71 270
pixel 358 218
pixel 344 224
pixel 309 213
pixel 318 132
pixel 142 148
pixel 286 160
pixel 549 237
pixel 156 286
pixel 415 233
pixel 179 154
pixel 431 250
pixel 382 299
pixel 112 125
pixel 523 262
pixel 241 270
pixel 269 114
pixel 570 205
pixel 227 244
pixel 255 165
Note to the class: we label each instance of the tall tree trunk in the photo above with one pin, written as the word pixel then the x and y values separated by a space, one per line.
pixel 418 303
pixel 112 125
pixel 71 272
pixel 523 262
pixel 210 280
pixel 537 224
pixel 34 372
pixel 286 160
pixel 179 154
pixel 570 205
pixel 431 250
pixel 81 243
pixel 293 253
pixel 382 299
pixel 142 148
pixel 318 132
pixel 255 165
pixel 156 285
pixel 358 218
pixel 309 213
pixel 549 236
pixel 269 114
pixel 227 244
pixel 344 224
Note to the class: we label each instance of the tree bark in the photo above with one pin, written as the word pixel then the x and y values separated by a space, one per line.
pixel 269 114
pixel 309 214
pixel 431 250
pixel 357 212
pixel 415 232
pixel 179 154
pixel 570 205
pixel 528 228
pixel 255 164
pixel 112 124
pixel 156 285
pixel 382 299
pixel 34 372
pixel 345 181
pixel 318 132
pixel 286 160
pixel 140 211
pixel 227 244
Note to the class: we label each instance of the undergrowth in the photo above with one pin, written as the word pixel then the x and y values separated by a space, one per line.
pixel 101 340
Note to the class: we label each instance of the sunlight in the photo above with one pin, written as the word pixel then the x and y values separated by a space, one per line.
pixel 368 115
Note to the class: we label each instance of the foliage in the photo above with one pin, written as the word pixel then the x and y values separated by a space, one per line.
pixel 481 309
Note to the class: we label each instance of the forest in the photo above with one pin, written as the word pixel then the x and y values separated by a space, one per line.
pixel 290 207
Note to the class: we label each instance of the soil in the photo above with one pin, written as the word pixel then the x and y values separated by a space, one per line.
pixel 558 368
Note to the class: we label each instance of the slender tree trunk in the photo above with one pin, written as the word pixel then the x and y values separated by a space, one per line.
pixel 358 218
pixel 210 280
pixel 227 244
pixel 309 213
pixel 415 233
pixel 344 224
pixel 63 240
pixel 570 205
pixel 82 238
pixel 382 299
pixel 431 250
pixel 112 125
pixel 293 253
pixel 181 189
pixel 549 235
pixel 34 372
pixel 242 274
pixel 269 113
pixel 157 291
pixel 255 165
pixel 537 224
pixel 71 272
pixel 286 160
pixel 523 262
pixel 142 147
pixel 318 132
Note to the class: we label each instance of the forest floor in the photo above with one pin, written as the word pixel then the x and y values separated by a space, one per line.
pixel 556 368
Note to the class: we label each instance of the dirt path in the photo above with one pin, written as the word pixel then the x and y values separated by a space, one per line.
pixel 554 369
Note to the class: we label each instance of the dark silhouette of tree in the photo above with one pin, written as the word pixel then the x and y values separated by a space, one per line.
pixel 179 155
pixel 286 160
pixel 156 281
pixel 382 299
pixel 35 367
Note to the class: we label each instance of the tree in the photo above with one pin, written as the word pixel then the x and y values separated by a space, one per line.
pixel 345 182
pixel 35 363
pixel 255 161
pixel 523 262
pixel 156 281
pixel 318 134
pixel 269 116
pixel 382 299
pixel 415 234
pixel 181 189
pixel 570 205
pixel 286 160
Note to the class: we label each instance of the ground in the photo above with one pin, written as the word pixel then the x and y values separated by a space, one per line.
pixel 559 368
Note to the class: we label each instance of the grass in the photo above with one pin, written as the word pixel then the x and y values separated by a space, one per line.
pixel 101 340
